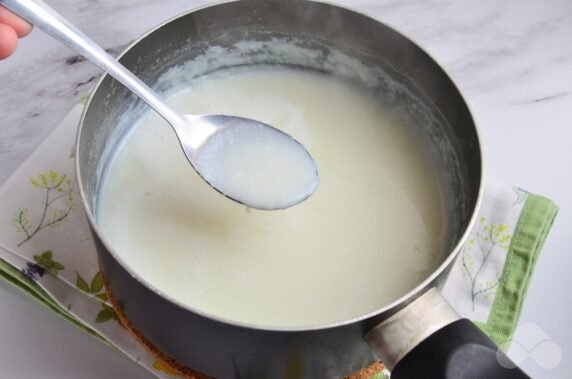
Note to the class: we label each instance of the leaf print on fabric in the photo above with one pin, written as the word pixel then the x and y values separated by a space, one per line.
pixel 81 283
pixel 46 260
pixel 44 264
pixel 58 204
pixel 106 313
pixel 476 253
pixel 96 283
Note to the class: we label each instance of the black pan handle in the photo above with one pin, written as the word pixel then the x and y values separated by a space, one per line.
pixel 458 350
pixel 428 339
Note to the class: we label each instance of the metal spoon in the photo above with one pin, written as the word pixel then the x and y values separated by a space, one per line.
pixel 193 131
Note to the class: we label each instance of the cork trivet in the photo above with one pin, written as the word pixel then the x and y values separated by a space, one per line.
pixel 181 370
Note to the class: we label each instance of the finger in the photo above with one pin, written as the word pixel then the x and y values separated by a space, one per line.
pixel 8 41
pixel 21 27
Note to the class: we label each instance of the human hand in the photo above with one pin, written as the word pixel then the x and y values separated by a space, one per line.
pixel 12 27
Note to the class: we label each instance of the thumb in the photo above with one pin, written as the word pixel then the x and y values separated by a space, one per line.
pixel 8 41
pixel 20 26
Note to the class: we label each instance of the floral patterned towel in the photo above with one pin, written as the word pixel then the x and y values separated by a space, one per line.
pixel 47 251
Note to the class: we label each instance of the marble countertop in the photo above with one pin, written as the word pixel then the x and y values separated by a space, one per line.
pixel 512 59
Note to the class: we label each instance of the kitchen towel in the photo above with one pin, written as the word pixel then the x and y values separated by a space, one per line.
pixel 46 250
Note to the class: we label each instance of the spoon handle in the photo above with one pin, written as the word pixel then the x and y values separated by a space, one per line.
pixel 49 21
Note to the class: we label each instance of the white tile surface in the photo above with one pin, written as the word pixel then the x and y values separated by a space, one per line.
pixel 512 59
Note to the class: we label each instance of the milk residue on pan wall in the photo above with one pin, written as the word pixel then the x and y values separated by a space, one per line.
pixel 371 232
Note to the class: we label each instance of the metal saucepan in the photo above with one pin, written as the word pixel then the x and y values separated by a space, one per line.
pixel 401 333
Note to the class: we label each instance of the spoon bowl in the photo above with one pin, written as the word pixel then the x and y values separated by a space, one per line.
pixel 248 161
